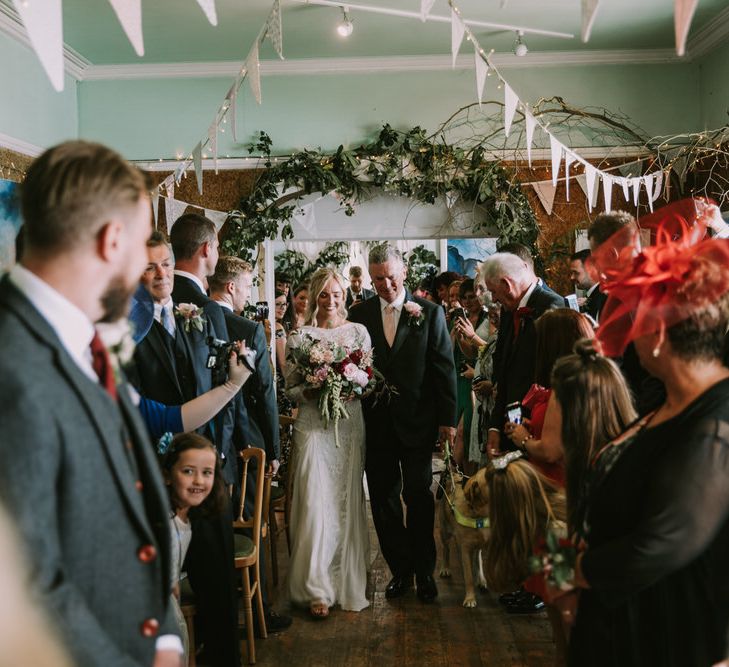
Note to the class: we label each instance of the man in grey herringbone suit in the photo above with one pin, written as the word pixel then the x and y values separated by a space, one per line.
pixel 78 473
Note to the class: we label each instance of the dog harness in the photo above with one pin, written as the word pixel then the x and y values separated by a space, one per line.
pixel 462 519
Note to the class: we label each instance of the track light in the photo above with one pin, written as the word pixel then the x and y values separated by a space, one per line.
pixel 345 28
pixel 520 49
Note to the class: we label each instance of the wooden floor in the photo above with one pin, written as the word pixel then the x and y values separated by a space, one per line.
pixel 408 632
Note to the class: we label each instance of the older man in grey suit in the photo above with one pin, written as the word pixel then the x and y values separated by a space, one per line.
pixel 77 473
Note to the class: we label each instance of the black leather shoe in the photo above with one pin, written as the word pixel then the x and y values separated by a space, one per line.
pixel 275 623
pixel 526 603
pixel 427 592
pixel 398 586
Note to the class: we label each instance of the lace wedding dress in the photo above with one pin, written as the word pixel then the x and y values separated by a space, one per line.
pixel 329 539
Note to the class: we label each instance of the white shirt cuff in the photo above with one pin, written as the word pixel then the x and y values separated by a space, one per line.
pixel 169 643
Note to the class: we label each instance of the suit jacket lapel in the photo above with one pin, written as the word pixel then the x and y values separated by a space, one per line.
pixel 376 328
pixel 162 352
pixel 403 327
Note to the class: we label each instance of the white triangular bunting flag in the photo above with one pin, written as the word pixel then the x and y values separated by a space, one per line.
pixel 173 210
pixel 457 31
pixel 556 148
pixel 169 185
pixel 155 206
pixel 590 178
pixel 481 70
pixel 569 158
pixel 425 7
pixel 589 11
pixel 635 183
pixel 530 123
pixel 253 72
pixel 273 28
pixel 129 13
pixel 683 13
pixel 232 98
pixel 510 102
pixel 43 19
pixel 658 185
pixel 197 163
pixel 607 190
pixel 218 218
pixel 208 6
pixel 648 182
pixel 625 184
pixel 545 191
pixel 213 136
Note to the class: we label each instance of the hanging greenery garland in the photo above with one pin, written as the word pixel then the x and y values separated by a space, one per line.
pixel 410 164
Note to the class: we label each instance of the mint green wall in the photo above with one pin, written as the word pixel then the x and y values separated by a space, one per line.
pixel 30 109
pixel 714 100
pixel 157 118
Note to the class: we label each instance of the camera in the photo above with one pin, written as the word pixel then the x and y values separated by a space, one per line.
pixel 261 310
pixel 218 358
pixel 513 412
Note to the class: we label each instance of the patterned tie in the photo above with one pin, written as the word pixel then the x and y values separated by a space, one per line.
pixel 102 365
pixel 389 324
pixel 166 320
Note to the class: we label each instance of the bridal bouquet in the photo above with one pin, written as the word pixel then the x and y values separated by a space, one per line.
pixel 555 561
pixel 339 373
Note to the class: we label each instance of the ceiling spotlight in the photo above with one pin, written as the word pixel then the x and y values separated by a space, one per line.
pixel 345 28
pixel 520 49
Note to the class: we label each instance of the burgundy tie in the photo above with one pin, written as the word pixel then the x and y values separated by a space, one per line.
pixel 102 365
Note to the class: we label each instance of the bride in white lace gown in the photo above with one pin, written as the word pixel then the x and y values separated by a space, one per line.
pixel 329 538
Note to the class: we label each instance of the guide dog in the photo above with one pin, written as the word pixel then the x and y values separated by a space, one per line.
pixel 456 509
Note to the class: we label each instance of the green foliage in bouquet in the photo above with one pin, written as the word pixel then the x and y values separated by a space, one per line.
pixel 556 561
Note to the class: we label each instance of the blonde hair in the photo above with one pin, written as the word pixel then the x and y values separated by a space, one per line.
pixel 522 504
pixel 317 282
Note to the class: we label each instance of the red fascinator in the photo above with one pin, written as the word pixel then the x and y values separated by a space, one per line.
pixel 653 289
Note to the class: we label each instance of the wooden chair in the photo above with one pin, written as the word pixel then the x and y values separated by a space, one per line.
pixel 247 549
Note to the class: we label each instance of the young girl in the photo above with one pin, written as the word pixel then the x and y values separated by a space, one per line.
pixel 191 469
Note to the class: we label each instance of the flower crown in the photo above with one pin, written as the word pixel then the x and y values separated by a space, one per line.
pixel 502 462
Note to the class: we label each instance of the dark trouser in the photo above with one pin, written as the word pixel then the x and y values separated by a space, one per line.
pixel 209 565
pixel 393 469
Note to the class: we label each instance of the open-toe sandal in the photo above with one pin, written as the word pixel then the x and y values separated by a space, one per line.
pixel 319 610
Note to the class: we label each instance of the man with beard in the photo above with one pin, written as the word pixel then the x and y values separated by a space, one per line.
pixel 78 474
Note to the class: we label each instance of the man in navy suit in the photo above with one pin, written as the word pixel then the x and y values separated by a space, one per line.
pixel 412 349
pixel 514 285
pixel 594 298
pixel 78 475
pixel 355 292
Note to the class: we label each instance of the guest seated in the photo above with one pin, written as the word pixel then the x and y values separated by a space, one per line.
pixel 539 435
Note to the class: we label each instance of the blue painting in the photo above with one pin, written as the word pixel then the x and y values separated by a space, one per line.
pixel 464 255
pixel 9 222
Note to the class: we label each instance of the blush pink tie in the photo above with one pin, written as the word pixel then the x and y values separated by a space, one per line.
pixel 389 324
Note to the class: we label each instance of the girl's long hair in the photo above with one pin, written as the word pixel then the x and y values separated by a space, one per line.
pixel 216 501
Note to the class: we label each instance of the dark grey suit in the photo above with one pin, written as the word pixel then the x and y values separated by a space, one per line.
pixel 81 481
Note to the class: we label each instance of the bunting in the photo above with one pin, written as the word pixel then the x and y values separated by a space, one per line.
pixel 458 29
pixel 546 191
pixel 173 210
pixel 232 97
pixel 218 218
pixel 155 206
pixel 607 190
pixel 273 29
pixel 658 185
pixel 481 71
pixel 636 183
pixel 208 6
pixel 556 148
pixel 530 123
pixel 253 71
pixel 197 162
pixel 43 19
pixel 683 13
pixel 425 7
pixel 129 13
pixel 569 158
pixel 648 181
pixel 591 190
pixel 510 102
pixel 589 12
pixel 625 184
pixel 213 141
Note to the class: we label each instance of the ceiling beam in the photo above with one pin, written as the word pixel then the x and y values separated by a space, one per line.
pixel 712 34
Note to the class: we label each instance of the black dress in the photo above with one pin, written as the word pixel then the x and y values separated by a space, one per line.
pixel 657 527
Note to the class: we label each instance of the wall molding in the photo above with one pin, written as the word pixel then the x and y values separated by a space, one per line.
pixel 19 146
pixel 73 62
pixel 538 155
pixel 713 34
pixel 374 64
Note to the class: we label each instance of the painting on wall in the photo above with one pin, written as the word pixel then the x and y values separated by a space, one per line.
pixel 9 222
pixel 464 255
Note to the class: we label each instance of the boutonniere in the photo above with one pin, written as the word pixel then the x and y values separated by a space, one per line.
pixel 190 315
pixel 415 313
pixel 524 312
pixel 119 343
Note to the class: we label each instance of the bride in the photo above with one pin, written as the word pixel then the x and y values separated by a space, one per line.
pixel 328 521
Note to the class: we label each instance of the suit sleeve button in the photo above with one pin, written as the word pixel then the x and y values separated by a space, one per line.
pixel 149 627
pixel 147 553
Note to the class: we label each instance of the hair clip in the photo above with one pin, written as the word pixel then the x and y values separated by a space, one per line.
pixel 163 444
pixel 503 461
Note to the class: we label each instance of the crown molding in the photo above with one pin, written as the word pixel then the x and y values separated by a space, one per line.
pixel 538 155
pixel 73 62
pixel 368 65
pixel 19 146
pixel 711 35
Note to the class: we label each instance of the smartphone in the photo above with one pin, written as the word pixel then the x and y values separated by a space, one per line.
pixel 513 412
pixel 261 310
pixel 459 312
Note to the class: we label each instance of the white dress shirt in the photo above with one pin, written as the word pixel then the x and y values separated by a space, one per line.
pixel 225 304
pixel 527 295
